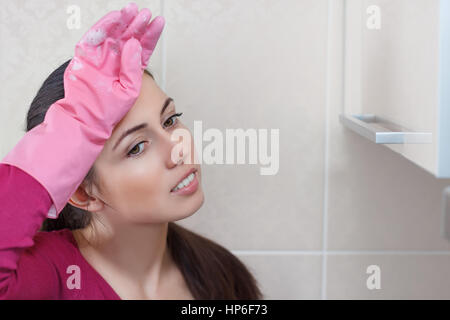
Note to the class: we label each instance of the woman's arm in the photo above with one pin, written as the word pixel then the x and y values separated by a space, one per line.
pixel 40 174
pixel 24 203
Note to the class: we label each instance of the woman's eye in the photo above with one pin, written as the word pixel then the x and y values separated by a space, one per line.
pixel 171 120
pixel 136 148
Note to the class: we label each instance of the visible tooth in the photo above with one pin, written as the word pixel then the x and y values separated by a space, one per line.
pixel 185 182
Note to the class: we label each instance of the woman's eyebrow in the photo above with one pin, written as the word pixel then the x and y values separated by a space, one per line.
pixel 166 104
pixel 130 131
pixel 142 125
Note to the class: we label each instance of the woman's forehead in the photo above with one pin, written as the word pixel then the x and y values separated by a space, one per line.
pixel 147 107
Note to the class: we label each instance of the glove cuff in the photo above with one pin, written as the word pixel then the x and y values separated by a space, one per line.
pixel 58 153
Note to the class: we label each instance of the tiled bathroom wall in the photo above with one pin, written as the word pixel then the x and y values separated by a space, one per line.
pixel 338 203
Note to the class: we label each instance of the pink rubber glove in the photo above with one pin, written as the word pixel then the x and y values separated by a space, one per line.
pixel 99 89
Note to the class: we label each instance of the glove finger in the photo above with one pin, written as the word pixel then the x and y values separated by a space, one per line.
pixel 151 37
pixel 137 28
pixel 99 32
pixel 131 71
pixel 113 24
pixel 128 14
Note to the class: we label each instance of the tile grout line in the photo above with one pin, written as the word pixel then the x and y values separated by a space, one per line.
pixel 324 255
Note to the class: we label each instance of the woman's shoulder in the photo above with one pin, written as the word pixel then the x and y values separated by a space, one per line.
pixel 54 236
pixel 55 245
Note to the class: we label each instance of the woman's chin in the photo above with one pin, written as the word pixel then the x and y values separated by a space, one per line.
pixel 195 203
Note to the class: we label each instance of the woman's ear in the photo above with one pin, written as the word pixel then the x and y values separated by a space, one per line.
pixel 81 199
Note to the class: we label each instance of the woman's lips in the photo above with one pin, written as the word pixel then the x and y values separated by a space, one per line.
pixel 190 188
pixel 184 177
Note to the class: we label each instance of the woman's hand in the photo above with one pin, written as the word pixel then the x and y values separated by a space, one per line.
pixel 104 77
pixel 121 26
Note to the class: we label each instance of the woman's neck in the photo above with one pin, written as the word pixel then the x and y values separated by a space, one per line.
pixel 136 254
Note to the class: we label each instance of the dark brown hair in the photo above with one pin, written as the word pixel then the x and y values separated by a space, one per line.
pixel 210 270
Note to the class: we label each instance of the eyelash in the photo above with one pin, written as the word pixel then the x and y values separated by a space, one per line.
pixel 177 115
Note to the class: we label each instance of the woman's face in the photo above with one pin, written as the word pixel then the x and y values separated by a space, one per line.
pixel 136 174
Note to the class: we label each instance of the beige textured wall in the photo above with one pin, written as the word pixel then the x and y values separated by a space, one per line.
pixel 338 203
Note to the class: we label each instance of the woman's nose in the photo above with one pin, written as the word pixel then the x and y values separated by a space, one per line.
pixel 178 144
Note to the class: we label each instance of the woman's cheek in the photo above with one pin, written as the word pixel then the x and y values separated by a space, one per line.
pixel 141 183
pixel 134 185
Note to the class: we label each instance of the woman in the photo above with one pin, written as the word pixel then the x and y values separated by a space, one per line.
pixel 87 211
